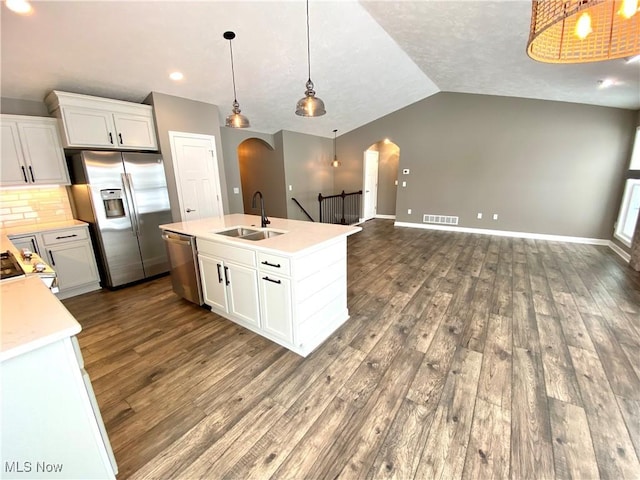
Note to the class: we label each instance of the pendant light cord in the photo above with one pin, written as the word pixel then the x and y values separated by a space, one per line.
pixel 308 43
pixel 233 75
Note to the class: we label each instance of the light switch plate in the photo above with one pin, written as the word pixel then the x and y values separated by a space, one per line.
pixel 236 190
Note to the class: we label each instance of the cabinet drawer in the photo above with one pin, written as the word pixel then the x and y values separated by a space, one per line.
pixel 227 252
pixel 62 236
pixel 274 263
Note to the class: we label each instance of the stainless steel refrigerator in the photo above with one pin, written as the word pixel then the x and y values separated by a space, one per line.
pixel 123 196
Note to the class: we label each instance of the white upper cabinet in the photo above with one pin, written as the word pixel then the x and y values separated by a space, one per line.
pixel 31 151
pixel 94 122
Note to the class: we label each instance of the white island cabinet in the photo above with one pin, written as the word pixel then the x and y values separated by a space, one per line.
pixel 50 422
pixel 290 288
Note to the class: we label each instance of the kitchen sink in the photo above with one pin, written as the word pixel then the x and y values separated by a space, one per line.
pixel 238 232
pixel 261 235
pixel 247 233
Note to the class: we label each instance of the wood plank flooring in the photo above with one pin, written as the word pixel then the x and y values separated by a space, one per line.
pixel 466 356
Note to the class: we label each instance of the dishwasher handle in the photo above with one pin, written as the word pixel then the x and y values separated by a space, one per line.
pixel 178 240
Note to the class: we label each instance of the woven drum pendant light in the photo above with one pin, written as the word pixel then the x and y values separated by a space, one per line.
pixel 579 31
pixel 309 105
pixel 235 119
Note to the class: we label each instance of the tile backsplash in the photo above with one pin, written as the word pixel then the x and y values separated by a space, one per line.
pixel 34 206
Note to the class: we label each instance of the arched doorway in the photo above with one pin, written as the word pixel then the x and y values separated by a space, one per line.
pixel 261 168
pixel 380 180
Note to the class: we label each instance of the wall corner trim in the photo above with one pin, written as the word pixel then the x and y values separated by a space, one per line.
pixel 506 233
pixel 621 253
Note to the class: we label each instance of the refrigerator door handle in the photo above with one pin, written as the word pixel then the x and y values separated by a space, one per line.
pixel 130 207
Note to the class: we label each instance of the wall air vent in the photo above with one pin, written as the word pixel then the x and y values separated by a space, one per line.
pixel 440 219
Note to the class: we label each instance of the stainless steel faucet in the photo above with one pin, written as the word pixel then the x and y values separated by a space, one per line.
pixel 264 221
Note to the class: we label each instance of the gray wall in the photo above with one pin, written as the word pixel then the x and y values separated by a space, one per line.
pixel 16 106
pixel 183 115
pixel 231 139
pixel 307 164
pixel 543 167
pixel 262 169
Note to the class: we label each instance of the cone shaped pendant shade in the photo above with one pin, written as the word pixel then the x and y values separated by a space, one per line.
pixel 235 119
pixel 309 105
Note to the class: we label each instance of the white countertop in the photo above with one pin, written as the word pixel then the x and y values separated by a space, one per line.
pixel 299 236
pixel 32 317
pixel 43 227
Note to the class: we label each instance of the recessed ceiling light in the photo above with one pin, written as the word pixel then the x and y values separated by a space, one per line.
pixel 23 7
pixel 607 82
pixel 176 76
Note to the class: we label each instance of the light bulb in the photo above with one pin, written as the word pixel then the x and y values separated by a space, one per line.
pixel 583 26
pixel 23 7
pixel 628 8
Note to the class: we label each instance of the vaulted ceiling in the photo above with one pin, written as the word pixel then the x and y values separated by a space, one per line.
pixel 368 58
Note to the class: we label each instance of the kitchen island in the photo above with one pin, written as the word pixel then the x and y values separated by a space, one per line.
pixel 50 422
pixel 286 282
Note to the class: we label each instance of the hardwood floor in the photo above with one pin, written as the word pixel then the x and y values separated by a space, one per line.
pixel 466 356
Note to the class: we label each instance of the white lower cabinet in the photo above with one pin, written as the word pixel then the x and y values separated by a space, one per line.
pixel 51 424
pixel 275 306
pixel 242 290
pixel 297 301
pixel 74 264
pixel 69 252
pixel 229 288
pixel 214 289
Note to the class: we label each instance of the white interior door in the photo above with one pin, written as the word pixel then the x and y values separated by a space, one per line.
pixel 197 175
pixel 370 193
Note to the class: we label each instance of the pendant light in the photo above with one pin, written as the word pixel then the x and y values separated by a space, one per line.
pixel 309 105
pixel 580 31
pixel 335 162
pixel 236 119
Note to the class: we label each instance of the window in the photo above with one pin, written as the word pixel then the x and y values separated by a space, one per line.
pixel 635 154
pixel 628 217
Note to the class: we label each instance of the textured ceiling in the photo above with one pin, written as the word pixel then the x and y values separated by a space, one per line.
pixel 367 58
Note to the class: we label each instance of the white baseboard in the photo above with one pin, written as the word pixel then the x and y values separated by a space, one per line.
pixel 388 217
pixel 505 233
pixel 621 253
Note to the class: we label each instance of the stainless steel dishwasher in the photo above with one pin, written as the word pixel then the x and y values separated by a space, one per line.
pixel 183 263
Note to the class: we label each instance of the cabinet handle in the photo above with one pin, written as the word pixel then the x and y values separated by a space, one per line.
pixel 31 172
pixel 110 138
pixel 226 276
pixel 66 236
pixel 276 265
pixel 24 174
pixel 272 280
pixel 219 274
pixel 53 262
pixel 120 137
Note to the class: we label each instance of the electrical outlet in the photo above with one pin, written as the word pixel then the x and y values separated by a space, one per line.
pixel 290 187
pixel 404 184
pixel 495 216
pixel 479 216
pixel 409 211
pixel 236 190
